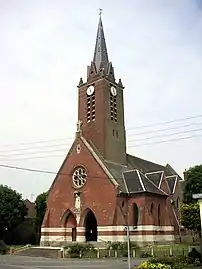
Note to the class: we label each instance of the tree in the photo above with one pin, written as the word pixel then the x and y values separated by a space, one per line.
pixel 190 216
pixel 193 183
pixel 12 209
pixel 40 206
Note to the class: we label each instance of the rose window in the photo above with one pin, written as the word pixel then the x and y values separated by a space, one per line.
pixel 79 177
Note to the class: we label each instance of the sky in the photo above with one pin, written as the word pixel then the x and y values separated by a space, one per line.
pixel 156 49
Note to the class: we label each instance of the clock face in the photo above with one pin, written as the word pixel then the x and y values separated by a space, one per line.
pixel 90 90
pixel 113 91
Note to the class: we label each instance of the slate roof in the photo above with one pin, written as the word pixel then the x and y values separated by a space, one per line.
pixel 136 182
pixel 100 54
pixel 137 170
pixel 147 166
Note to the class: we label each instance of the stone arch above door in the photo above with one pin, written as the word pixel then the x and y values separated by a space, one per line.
pixel 68 219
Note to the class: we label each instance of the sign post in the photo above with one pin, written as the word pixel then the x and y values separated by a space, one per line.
pixel 128 243
pixel 198 196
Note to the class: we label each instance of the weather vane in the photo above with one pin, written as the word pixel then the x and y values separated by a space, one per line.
pixel 100 11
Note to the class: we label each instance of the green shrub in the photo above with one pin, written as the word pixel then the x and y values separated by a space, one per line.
pixel 115 245
pixel 149 265
pixel 145 255
pixel 181 262
pixel 194 255
pixel 3 247
pixel 77 250
pixel 122 247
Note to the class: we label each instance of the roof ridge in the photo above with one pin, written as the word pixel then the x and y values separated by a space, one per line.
pixel 146 160
pixel 116 163
pixel 155 172
pixel 95 155
pixel 167 177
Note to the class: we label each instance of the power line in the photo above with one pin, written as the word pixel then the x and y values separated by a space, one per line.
pixel 134 128
pixel 176 133
pixel 34 148
pixel 32 153
pixel 54 173
pixel 36 157
pixel 166 129
pixel 27 169
pixel 131 146
pixel 166 141
pixel 68 144
pixel 42 171
pixel 165 122
pixel 36 142
pixel 67 149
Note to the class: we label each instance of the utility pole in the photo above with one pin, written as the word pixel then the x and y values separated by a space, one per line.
pixel 128 243
pixel 198 196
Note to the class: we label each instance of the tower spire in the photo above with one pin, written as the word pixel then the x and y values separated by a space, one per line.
pixel 100 55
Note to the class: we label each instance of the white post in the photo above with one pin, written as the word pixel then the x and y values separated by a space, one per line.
pixel 128 241
pixel 199 198
pixel 98 253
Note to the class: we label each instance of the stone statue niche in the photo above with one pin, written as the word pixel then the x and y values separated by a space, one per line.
pixel 77 206
pixel 77 203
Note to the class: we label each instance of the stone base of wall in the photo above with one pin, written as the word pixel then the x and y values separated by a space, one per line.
pixel 140 235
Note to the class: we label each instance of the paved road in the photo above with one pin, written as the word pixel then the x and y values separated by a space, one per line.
pixel 20 262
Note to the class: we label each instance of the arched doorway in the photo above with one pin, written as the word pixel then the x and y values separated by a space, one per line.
pixel 135 214
pixel 70 225
pixel 90 224
pixel 159 215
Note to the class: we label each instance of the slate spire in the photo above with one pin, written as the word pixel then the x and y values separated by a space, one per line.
pixel 100 55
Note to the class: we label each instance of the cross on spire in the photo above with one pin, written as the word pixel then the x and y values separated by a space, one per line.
pixel 100 11
pixel 79 126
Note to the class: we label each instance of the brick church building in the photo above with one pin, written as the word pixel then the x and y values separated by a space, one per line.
pixel 100 189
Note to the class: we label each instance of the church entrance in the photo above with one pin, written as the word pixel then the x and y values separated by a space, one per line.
pixel 73 234
pixel 70 225
pixel 90 224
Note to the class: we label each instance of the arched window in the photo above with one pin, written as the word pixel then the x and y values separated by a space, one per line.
pixel 152 208
pixel 178 203
pixel 135 214
pixel 159 215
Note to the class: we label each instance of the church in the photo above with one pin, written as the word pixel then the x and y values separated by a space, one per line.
pixel 100 190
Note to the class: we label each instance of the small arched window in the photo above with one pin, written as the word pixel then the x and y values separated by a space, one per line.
pixel 152 208
pixel 135 214
pixel 159 215
pixel 178 203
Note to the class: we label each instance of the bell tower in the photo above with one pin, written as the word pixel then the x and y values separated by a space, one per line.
pixel 101 106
